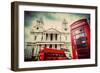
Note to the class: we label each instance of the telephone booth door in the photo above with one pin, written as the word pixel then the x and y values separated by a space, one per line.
pixel 80 36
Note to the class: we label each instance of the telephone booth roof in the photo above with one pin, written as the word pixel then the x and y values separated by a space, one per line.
pixel 78 23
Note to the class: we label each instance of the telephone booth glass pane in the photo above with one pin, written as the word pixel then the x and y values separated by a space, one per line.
pixel 80 38
pixel 81 42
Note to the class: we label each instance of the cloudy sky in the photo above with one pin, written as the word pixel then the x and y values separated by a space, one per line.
pixel 51 19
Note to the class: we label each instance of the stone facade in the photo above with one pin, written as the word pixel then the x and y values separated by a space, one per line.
pixel 50 38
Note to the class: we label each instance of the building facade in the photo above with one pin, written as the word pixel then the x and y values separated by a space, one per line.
pixel 50 38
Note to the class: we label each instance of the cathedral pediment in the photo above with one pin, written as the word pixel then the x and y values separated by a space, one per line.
pixel 52 30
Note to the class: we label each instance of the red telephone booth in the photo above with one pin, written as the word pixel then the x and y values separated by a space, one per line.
pixel 80 39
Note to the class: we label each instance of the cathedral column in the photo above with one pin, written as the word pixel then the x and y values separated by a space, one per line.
pixel 48 36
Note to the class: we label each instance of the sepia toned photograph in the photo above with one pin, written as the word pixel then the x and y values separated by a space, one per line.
pixel 56 36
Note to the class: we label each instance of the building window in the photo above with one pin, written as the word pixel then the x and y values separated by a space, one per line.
pixel 56 37
pixel 45 46
pixel 55 45
pixel 35 37
pixel 42 38
pixel 50 46
pixel 37 28
pixel 40 46
pixel 65 29
pixel 51 37
pixel 46 36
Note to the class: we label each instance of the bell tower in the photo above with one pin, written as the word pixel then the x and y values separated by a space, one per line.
pixel 38 27
pixel 64 24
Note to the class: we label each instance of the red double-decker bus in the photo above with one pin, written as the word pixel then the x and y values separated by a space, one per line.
pixel 51 54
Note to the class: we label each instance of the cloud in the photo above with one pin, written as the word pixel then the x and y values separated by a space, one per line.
pixel 31 16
